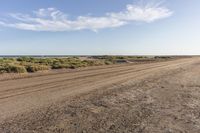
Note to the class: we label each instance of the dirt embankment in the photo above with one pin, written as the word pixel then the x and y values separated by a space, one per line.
pixel 157 97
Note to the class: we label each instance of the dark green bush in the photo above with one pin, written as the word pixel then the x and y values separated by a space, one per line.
pixel 36 67
pixel 59 66
pixel 162 57
pixel 26 59
pixel 108 62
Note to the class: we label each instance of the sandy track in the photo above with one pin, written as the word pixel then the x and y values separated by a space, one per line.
pixel 23 96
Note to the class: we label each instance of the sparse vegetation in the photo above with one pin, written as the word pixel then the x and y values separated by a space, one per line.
pixel 30 64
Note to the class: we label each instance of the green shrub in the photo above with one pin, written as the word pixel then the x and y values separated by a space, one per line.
pixel 26 59
pixel 11 68
pixel 108 62
pixel 57 66
pixel 93 62
pixel 7 60
pixel 2 69
pixel 162 57
pixel 36 67
pixel 18 69
pixel 73 66
pixel 60 66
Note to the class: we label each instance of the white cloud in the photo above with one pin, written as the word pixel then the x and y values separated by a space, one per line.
pixel 148 13
pixel 51 19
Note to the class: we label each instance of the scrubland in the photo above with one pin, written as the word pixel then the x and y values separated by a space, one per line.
pixel 30 64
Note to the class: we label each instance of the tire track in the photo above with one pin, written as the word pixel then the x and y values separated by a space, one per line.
pixel 61 76
pixel 73 81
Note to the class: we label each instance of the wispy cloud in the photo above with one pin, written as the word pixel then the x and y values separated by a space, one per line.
pixel 52 19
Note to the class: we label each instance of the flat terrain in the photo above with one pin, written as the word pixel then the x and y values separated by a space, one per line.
pixel 162 97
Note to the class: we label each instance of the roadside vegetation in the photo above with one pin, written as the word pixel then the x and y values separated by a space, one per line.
pixel 30 64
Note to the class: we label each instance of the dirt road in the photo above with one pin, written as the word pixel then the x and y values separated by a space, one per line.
pixel 156 97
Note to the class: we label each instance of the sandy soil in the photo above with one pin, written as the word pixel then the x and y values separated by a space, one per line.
pixel 159 97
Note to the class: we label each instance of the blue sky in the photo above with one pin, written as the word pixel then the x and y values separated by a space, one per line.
pixel 99 27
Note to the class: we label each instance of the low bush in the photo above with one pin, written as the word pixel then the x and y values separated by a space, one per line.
pixel 162 57
pixel 35 67
pixel 26 59
pixel 11 68
pixel 2 69
pixel 59 66
pixel 108 62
